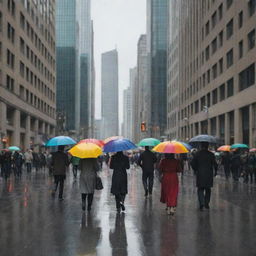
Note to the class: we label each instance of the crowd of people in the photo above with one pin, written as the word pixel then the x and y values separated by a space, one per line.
pixel 205 164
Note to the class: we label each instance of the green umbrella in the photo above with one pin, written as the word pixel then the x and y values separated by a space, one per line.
pixel 239 146
pixel 151 142
pixel 14 148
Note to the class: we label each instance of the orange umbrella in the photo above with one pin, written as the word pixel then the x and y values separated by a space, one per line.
pixel 224 148
pixel 112 138
pixel 99 143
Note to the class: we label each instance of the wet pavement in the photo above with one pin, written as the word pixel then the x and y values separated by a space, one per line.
pixel 33 223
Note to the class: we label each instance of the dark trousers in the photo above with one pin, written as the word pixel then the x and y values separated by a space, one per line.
pixel 119 199
pixel 89 198
pixel 75 167
pixel 204 196
pixel 29 167
pixel 59 180
pixel 227 171
pixel 148 181
pixel 235 173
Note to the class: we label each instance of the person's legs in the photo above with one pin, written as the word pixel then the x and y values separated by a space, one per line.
pixel 90 199
pixel 200 193
pixel 227 171
pixel 150 182
pixel 118 199
pixel 145 182
pixel 83 201
pixel 61 187
pixel 75 171
pixel 207 197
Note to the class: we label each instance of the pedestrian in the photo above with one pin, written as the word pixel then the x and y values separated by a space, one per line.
pixel 89 168
pixel 169 166
pixel 28 160
pixel 119 163
pixel 7 164
pixel 236 165
pixel 252 166
pixel 146 161
pixel 17 163
pixel 36 160
pixel 225 161
pixel 205 167
pixel 49 162
pixel 75 162
pixel 60 163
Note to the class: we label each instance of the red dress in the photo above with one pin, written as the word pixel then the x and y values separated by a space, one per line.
pixel 170 181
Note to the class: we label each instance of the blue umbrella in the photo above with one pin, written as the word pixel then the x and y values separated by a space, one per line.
pixel 14 148
pixel 204 138
pixel 239 146
pixel 189 147
pixel 60 141
pixel 118 145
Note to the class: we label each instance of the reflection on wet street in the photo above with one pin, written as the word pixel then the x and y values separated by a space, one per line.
pixel 34 223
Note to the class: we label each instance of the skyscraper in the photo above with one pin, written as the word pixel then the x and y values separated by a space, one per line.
pixel 135 103
pixel 127 113
pixel 157 26
pixel 109 93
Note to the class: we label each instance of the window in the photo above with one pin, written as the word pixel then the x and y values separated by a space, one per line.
pixel 229 29
pixel 10 32
pixel 203 80
pixel 10 59
pixel 207 28
pixel 208 76
pixel 251 7
pixel 214 71
pixel 220 10
pixel 1 22
pixel 208 100
pixel 229 3
pixel 196 106
pixel 222 92
pixel 22 45
pixel 0 55
pixel 9 83
pixel 22 21
pixel 207 53
pixel 247 77
pixel 202 103
pixel 220 39
pixel 241 47
pixel 230 58
pixel 214 45
pixel 230 85
pixel 22 68
pixel 214 20
pixel 215 96
pixel 11 7
pixel 221 65
pixel 240 19
pixel 251 39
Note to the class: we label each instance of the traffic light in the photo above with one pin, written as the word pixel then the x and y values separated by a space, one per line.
pixel 143 127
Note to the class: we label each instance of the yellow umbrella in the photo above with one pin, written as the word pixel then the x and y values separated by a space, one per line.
pixel 86 150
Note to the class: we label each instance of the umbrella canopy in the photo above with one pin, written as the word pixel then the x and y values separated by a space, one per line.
pixel 151 142
pixel 113 138
pixel 204 138
pixel 239 146
pixel 189 147
pixel 224 148
pixel 60 141
pixel 99 143
pixel 171 147
pixel 118 145
pixel 14 148
pixel 253 150
pixel 86 150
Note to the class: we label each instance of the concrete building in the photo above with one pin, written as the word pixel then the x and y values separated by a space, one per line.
pixel 109 93
pixel 27 72
pixel 135 103
pixel 157 28
pixel 216 78
pixel 98 129
pixel 127 114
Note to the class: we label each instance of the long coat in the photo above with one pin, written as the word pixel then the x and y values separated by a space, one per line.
pixel 120 163
pixel 60 163
pixel 89 168
pixel 147 160
pixel 204 164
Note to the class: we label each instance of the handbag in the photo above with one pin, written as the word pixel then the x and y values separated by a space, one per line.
pixel 99 185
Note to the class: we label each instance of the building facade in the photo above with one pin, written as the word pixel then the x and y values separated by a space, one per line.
pixel 216 60
pixel 127 114
pixel 157 28
pixel 27 72
pixel 109 93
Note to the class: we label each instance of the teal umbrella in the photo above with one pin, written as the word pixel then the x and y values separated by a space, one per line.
pixel 239 146
pixel 150 142
pixel 14 148
pixel 60 141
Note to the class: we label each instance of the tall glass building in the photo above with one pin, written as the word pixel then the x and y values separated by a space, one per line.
pixel 157 26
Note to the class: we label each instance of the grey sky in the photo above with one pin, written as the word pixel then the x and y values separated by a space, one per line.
pixel 117 23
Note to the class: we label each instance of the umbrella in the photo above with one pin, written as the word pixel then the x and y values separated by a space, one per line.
pixel 60 141
pixel 14 148
pixel 113 138
pixel 99 143
pixel 118 145
pixel 174 147
pixel 239 146
pixel 253 150
pixel 189 147
pixel 204 138
pixel 151 142
pixel 224 148
pixel 86 150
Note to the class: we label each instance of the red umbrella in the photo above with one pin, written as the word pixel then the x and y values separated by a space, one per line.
pixel 253 150
pixel 99 143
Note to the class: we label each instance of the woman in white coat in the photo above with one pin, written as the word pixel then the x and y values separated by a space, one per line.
pixel 89 168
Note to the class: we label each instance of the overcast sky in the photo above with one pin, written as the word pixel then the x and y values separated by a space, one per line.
pixel 117 24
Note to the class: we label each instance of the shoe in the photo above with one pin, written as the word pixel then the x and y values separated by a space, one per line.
pixel 61 198
pixel 83 206
pixel 207 206
pixel 122 206
pixel 118 210
pixel 201 208
pixel 89 208
pixel 172 211
pixel 146 193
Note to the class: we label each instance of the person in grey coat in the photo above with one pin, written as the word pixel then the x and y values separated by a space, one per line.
pixel 89 168
pixel 204 164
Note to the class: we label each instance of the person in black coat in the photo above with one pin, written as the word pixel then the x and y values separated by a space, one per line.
pixel 119 163
pixel 204 164
pixel 225 161
pixel 236 165
pixel 146 161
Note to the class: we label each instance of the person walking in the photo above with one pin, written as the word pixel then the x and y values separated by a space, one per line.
pixel 17 163
pixel 89 168
pixel 225 161
pixel 28 160
pixel 252 166
pixel 169 166
pixel 204 164
pixel 236 165
pixel 60 162
pixel 75 163
pixel 119 163
pixel 146 161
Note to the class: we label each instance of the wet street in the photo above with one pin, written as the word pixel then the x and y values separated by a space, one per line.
pixel 34 223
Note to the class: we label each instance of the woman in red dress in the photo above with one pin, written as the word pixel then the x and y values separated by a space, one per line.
pixel 170 166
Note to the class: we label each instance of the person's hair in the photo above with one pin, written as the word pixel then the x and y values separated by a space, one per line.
pixel 61 148
pixel 204 145
pixel 146 147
